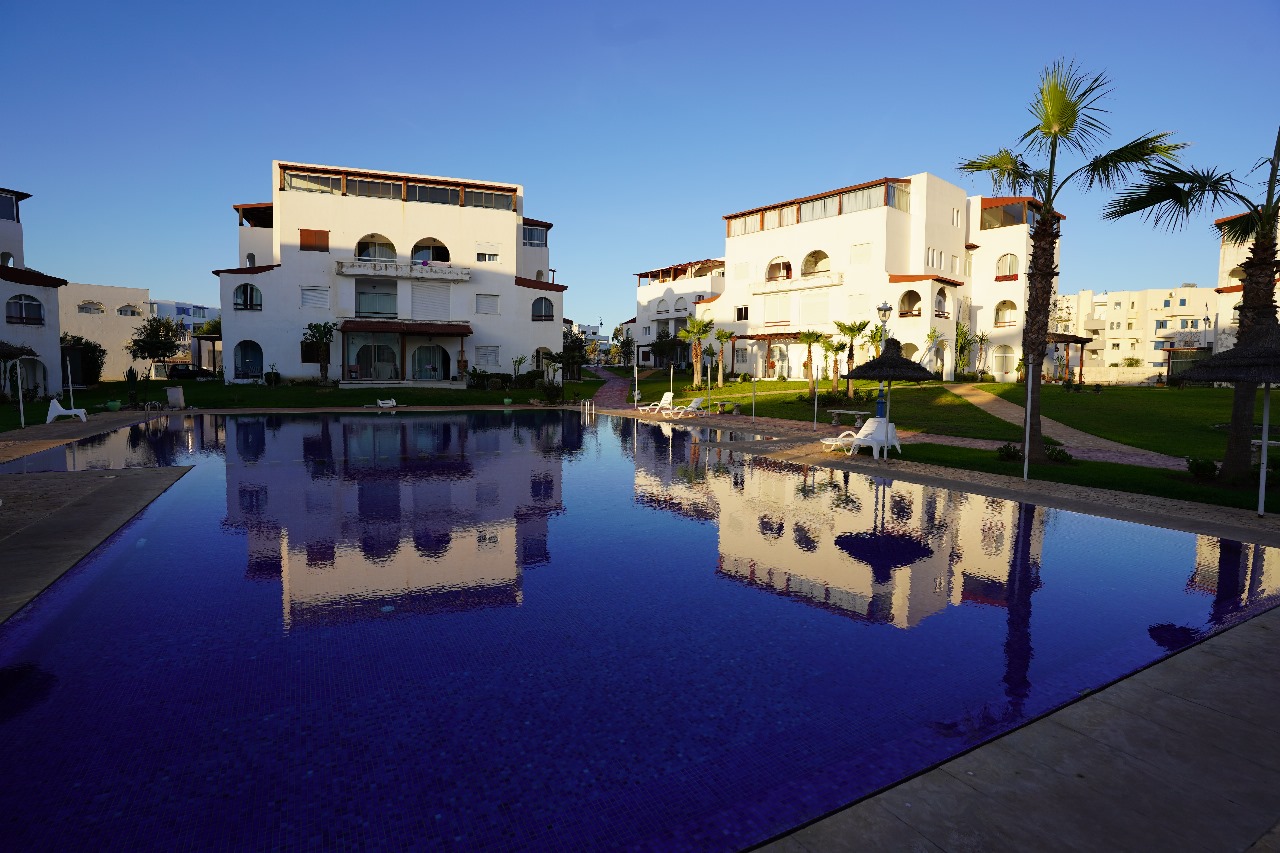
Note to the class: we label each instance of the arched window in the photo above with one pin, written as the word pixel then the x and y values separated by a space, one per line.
pixel 779 268
pixel 24 310
pixel 1007 265
pixel 543 309
pixel 940 304
pixel 681 305
pixel 815 263
pixel 375 247
pixel 248 360
pixel 1006 314
pixel 909 304
pixel 1002 362
pixel 129 311
pixel 89 307
pixel 429 251
pixel 251 260
pixel 664 307
pixel 538 275
pixel 246 297
pixel 6 259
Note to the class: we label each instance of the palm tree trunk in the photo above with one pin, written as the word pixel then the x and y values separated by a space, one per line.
pixel 813 374
pixel 1040 275
pixel 848 383
pixel 1257 312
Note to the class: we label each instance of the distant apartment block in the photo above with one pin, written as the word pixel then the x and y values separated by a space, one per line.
pixel 424 277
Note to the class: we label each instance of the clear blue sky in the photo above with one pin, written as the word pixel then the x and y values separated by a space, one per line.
pixel 633 127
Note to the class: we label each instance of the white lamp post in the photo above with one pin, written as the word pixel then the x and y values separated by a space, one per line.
pixel 884 310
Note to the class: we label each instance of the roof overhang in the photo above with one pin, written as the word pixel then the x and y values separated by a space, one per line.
pixel 903 279
pixel 18 194
pixel 538 223
pixel 246 270
pixel 817 196
pixel 30 277
pixel 410 327
pixel 675 269
pixel 258 215
pixel 534 284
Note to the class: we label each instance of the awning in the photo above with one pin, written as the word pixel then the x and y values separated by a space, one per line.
pixel 408 327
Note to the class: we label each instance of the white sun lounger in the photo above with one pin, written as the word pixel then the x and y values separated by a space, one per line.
pixel 56 411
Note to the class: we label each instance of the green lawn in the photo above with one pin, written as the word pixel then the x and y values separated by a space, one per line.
pixel 1136 479
pixel 215 395
pixel 1176 421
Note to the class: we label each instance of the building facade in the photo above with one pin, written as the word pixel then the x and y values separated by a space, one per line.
pixel 665 300
pixel 423 276
pixel 31 301
pixel 918 244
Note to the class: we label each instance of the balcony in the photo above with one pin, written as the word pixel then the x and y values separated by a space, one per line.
pixel 414 270
pixel 805 282
pixel 1094 324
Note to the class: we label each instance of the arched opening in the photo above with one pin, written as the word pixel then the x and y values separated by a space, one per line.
pixel 24 310
pixel 1006 314
pixel 540 358
pixel 377 361
pixel 246 297
pixel 1007 265
pixel 910 351
pixel 538 276
pixel 543 309
pixel 779 269
pixel 430 361
pixel 815 263
pixel 1002 363
pixel 248 360
pixel 129 311
pixel 429 251
pixel 777 365
pixel 940 304
pixel 32 377
pixel 664 307
pixel 375 247
pixel 251 260
pixel 682 306
pixel 909 304
pixel 6 259
pixel 89 307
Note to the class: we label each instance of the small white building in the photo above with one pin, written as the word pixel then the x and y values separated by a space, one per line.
pixel 108 316
pixel 424 276
pixel 30 306
pixel 665 300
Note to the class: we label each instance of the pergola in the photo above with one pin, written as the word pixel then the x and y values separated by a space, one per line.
pixel 1064 338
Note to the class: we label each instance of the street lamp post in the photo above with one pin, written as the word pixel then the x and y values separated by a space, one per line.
pixel 884 310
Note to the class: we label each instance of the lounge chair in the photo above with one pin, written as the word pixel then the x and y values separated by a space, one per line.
pixel 56 411
pixel 872 435
pixel 381 404
pixel 661 406
pixel 692 410
pixel 840 442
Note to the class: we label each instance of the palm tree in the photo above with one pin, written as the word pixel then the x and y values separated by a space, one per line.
pixel 693 332
pixel 852 331
pixel 723 336
pixel 1170 195
pixel 1068 117
pixel 809 339
pixel 836 349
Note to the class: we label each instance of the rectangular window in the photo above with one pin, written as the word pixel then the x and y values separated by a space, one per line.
pixel 373 189
pixel 968 263
pixel 1182 303
pixel 486 356
pixel 534 236
pixel 310 240
pixel 899 196
pixel 813 309
pixel 1184 324
pixel 741 314
pixel 1166 303
pixel 1162 324
pixel 312 183
pixel 777 309
pixel 1129 327
pixel 199 312
pixel 429 301
pixel 315 297
pixel 493 201
pixel 955 217
pixel 647 331
pixel 955 265
pixel 486 257
pixel 748 224
pixel 859 200
pixel 1115 346
pixel 819 208
pixel 432 195
pixel 8 207
pixel 740 356
pixel 486 303
pixel 1117 306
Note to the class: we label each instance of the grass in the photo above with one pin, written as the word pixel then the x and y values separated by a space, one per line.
pixel 1134 479
pixel 1179 422
pixel 216 395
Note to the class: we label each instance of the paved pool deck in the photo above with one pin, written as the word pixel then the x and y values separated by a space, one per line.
pixel 1184 755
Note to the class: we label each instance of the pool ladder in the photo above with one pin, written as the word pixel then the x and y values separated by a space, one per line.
pixel 588 408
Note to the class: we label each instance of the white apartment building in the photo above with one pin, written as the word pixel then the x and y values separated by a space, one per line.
pixel 917 243
pixel 30 307
pixel 665 300
pixel 108 316
pixel 425 276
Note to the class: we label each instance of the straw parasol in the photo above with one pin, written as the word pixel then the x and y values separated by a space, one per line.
pixel 1256 361
pixel 889 366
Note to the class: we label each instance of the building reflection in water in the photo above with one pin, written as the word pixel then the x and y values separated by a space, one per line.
pixel 1233 576
pixel 394 515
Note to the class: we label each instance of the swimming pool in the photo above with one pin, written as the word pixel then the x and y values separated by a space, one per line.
pixel 526 631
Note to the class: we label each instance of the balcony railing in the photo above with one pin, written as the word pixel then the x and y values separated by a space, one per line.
pixel 942 315
pixel 804 282
pixel 420 270
pixel 910 312
pixel 24 321
pixel 1004 324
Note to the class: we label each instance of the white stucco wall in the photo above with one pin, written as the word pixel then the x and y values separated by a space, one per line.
pixel 43 339
pixel 109 328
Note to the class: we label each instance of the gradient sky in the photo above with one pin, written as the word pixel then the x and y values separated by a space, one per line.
pixel 634 128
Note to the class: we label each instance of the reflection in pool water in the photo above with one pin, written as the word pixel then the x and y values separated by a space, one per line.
pixel 523 631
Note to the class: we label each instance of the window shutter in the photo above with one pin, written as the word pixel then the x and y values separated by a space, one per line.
pixel 311 240
pixel 486 303
pixel 430 301
pixel 315 297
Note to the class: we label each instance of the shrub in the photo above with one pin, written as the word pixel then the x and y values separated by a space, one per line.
pixel 1132 361
pixel 744 377
pixel 1009 452
pixel 550 391
pixel 1202 469
pixel 1057 454
pixel 833 398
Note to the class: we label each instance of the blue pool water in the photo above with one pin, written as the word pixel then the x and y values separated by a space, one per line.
pixel 524 631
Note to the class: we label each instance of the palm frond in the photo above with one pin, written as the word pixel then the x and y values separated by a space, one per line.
pixel 1169 195
pixel 1244 228
pixel 1006 170
pixel 1066 109
pixel 1121 164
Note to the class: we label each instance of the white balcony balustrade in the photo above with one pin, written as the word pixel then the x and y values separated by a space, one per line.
pixel 414 270
pixel 804 282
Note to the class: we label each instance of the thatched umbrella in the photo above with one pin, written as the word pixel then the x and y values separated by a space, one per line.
pixel 887 367
pixel 1256 362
